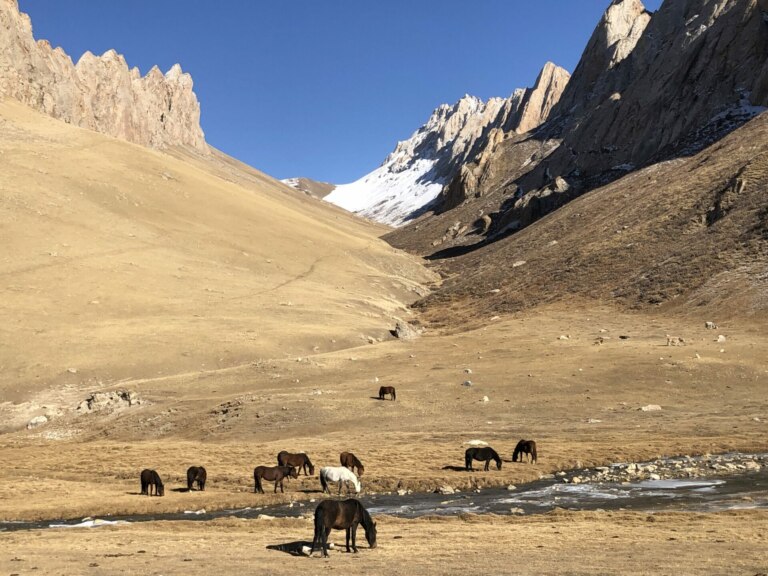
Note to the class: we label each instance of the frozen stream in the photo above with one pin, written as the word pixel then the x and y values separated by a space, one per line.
pixel 742 490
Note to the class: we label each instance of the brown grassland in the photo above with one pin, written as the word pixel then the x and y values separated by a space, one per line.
pixel 250 320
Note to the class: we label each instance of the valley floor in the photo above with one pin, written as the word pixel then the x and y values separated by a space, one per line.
pixel 580 401
pixel 557 543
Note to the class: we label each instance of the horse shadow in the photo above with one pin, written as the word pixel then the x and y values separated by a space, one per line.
pixel 455 468
pixel 180 490
pixel 292 548
pixel 375 398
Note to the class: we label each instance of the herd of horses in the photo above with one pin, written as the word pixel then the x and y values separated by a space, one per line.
pixel 332 514
pixel 290 465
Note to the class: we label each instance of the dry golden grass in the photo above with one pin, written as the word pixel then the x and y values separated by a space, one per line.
pixel 556 543
pixel 227 302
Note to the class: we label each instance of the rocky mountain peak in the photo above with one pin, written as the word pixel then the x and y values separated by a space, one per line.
pixel 98 92
pixel 416 172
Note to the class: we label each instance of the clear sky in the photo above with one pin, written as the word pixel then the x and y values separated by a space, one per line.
pixel 326 88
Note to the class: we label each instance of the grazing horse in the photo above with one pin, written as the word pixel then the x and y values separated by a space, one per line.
pixel 341 475
pixel 196 474
pixel 335 515
pixel 350 461
pixel 276 473
pixel 384 390
pixel 299 460
pixel 485 453
pixel 527 447
pixel 150 478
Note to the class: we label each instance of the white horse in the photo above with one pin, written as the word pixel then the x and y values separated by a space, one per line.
pixel 341 475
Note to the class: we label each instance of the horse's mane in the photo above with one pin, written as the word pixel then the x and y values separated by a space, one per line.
pixel 367 520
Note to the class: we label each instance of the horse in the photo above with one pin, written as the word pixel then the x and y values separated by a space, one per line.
pixel 341 475
pixel 527 447
pixel 350 461
pixel 485 453
pixel 196 474
pixel 335 515
pixel 387 390
pixel 150 478
pixel 299 460
pixel 276 473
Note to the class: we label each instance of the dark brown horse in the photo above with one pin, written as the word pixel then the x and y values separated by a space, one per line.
pixel 335 515
pixel 299 460
pixel 150 478
pixel 527 447
pixel 196 474
pixel 276 473
pixel 486 453
pixel 384 390
pixel 350 461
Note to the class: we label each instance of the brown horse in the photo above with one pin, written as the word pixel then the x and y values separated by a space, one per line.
pixel 350 461
pixel 299 460
pixel 485 453
pixel 276 473
pixel 384 390
pixel 335 515
pixel 196 474
pixel 150 478
pixel 527 447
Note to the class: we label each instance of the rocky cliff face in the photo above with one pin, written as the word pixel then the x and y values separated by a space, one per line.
pixel 649 87
pixel 99 92
pixel 416 172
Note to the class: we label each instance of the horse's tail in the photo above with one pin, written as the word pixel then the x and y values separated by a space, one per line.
pixel 467 459
pixel 256 480
pixel 319 536
pixel 324 482
pixel 533 451
pixel 394 394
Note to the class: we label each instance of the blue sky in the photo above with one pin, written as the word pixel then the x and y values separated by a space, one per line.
pixel 325 89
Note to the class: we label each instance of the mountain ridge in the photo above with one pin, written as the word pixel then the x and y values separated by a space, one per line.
pixel 100 93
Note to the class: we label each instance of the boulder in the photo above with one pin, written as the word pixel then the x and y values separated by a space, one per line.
pixel 36 421
pixel 405 331
pixel 651 408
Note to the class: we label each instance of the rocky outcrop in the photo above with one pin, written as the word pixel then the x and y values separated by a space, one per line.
pixel 431 161
pixel 100 93
pixel 648 88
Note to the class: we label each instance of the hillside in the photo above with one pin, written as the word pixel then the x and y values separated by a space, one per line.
pixel 685 234
pixel 122 263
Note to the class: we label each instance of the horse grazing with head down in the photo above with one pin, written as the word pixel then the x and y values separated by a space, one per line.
pixel 486 453
pixel 527 447
pixel 384 390
pixel 150 478
pixel 276 473
pixel 341 475
pixel 350 461
pixel 300 460
pixel 196 474
pixel 335 515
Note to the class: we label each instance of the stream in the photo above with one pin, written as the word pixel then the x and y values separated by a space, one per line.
pixel 719 492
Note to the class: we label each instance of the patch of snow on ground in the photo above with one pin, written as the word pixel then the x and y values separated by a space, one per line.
pixel 388 196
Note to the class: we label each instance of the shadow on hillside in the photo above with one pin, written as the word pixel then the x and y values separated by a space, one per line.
pixel 455 251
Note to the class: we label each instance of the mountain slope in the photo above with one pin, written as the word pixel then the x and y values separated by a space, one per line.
pixel 99 92
pixel 647 88
pixel 120 262
pixel 682 234
pixel 416 172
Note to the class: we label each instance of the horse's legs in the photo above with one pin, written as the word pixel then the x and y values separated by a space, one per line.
pixel 340 482
pixel 353 528
pixel 487 465
pixel 348 535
